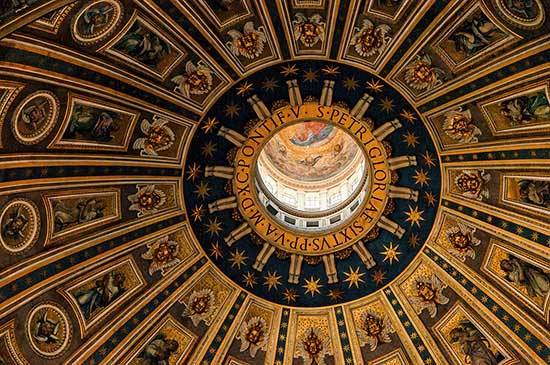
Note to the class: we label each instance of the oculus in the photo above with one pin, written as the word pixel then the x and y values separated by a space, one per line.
pixel 311 169
pixel 315 137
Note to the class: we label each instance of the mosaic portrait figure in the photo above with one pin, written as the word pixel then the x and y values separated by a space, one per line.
pixel 475 34
pixel 17 222
pixel 19 225
pixel 48 329
pixel 158 351
pixel 35 117
pixel 89 123
pixel 35 114
pixel 535 192
pixel 526 109
pixel 96 18
pixel 473 345
pixel 533 279
pixel 523 8
pixel 106 289
pixel 146 47
pixel 85 210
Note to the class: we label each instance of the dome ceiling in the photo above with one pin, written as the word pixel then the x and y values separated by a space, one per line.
pixel 329 151
pixel 133 224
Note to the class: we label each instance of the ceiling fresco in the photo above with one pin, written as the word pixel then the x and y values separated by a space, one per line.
pixel 134 228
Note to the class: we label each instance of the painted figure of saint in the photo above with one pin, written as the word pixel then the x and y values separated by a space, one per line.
pixel 85 210
pixel 311 132
pixel 89 123
pixel 158 351
pixel 526 109
pixel 474 35
pixel 143 45
pixel 523 274
pixel 106 289
pixel 535 192
pixel 473 345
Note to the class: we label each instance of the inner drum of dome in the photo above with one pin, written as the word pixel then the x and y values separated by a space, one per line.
pixel 308 181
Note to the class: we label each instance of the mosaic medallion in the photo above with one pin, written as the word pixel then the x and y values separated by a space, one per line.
pixel 522 13
pixel 49 330
pixel 20 225
pixel 35 117
pixel 96 21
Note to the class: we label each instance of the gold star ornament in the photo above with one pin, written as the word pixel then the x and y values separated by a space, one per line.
pixel 391 253
pixel 214 226
pixel 272 280
pixel 354 277
pixel 421 178
pixel 245 88
pixel 210 124
pixel 312 286
pixel 193 172
pixel 414 216
pixel 238 259
pixel 290 70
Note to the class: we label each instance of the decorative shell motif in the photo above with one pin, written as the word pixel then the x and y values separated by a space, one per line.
pixel 421 75
pixel 250 43
pixel 159 137
pixel 374 329
pixel 459 126
pixel 309 30
pixel 253 335
pixel 472 184
pixel 200 306
pixel 163 253
pixel 429 293
pixel 147 200
pixel 313 346
pixel 369 40
pixel 463 241
pixel 197 79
